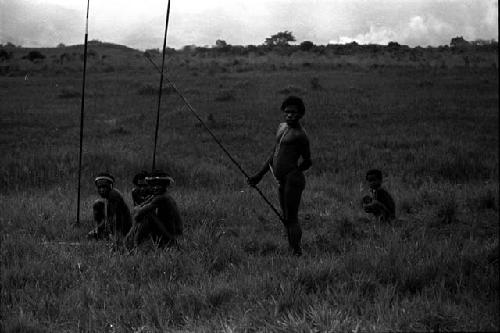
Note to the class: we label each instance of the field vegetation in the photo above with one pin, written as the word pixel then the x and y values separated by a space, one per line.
pixel 427 117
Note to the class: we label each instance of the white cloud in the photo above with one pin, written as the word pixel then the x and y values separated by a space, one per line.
pixel 418 30
pixel 140 24
pixel 426 30
pixel 376 35
pixel 417 25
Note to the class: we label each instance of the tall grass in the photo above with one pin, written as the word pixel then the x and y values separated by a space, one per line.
pixel 437 145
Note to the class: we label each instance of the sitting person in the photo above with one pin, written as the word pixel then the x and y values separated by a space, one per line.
pixel 157 218
pixel 141 191
pixel 111 213
pixel 379 202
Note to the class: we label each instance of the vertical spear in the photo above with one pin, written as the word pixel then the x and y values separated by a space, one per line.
pixel 81 114
pixel 161 85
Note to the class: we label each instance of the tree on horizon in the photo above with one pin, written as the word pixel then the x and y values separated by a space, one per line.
pixel 282 38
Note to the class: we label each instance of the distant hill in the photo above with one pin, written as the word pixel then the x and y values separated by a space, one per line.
pixel 109 57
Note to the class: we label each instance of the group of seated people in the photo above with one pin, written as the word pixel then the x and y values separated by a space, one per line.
pixel 155 215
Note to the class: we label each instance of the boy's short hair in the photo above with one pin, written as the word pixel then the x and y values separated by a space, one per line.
pixel 374 172
pixel 159 177
pixel 140 178
pixel 294 100
pixel 104 176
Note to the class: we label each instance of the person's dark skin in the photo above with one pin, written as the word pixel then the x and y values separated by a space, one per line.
pixel 381 203
pixel 141 192
pixel 103 189
pixel 291 146
pixel 158 217
pixel 292 118
pixel 119 220
pixel 373 182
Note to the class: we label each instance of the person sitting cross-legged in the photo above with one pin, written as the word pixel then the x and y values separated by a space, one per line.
pixel 157 218
pixel 111 213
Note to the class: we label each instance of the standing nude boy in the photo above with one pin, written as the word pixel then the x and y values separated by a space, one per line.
pixel 292 145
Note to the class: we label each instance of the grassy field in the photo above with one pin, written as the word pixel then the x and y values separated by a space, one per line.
pixel 433 130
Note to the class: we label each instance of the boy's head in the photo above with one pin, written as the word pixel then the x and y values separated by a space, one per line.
pixel 293 109
pixel 104 183
pixel 374 178
pixel 159 181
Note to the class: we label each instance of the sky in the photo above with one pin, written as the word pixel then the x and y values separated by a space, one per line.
pixel 141 23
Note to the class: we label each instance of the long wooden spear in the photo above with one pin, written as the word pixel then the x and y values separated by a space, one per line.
pixel 161 85
pixel 82 108
pixel 219 143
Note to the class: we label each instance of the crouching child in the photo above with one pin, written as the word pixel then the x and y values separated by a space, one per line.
pixel 379 203
pixel 158 217
pixel 111 214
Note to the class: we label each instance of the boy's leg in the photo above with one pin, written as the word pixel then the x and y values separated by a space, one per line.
pixel 294 186
pixel 380 210
pixel 143 230
pixel 99 216
pixel 281 196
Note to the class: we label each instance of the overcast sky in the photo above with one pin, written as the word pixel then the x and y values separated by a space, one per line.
pixel 140 23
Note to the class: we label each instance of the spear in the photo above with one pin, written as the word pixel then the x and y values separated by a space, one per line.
pixel 82 108
pixel 161 85
pixel 217 141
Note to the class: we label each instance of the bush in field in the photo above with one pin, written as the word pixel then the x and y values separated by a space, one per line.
pixel 291 89
pixel 222 45
pixel 108 69
pixel 34 56
pixel 306 45
pixel 225 95
pixel 4 55
pixel 315 85
pixel 149 89
pixel 69 92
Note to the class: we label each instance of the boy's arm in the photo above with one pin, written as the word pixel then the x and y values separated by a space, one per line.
pixel 267 164
pixel 255 179
pixel 145 209
pixel 135 196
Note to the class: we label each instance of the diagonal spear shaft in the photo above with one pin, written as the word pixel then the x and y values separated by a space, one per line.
pixel 161 85
pixel 238 165
pixel 82 108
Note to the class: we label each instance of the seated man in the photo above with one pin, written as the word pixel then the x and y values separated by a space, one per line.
pixel 157 218
pixel 380 202
pixel 111 213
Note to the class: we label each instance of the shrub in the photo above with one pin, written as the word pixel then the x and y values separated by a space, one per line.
pixel 315 85
pixel 291 89
pixel 4 55
pixel 149 89
pixel 225 95
pixel 306 46
pixel 34 55
pixel 69 92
